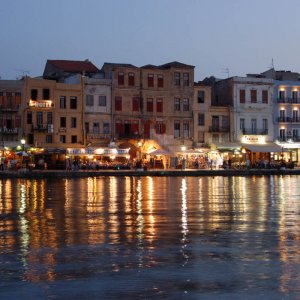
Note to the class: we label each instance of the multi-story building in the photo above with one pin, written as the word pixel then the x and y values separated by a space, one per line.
pixel 53 114
pixel 126 109
pixel 211 123
pixel 97 111
pixel 251 116
pixel 152 103
pixel 11 132
pixel 286 107
pixel 167 95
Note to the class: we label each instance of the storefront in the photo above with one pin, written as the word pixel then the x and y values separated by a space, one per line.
pixel 97 158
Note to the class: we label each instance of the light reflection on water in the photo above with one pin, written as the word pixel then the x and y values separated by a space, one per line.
pixel 163 237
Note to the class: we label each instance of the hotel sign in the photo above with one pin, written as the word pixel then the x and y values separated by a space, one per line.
pixel 41 104
pixel 253 139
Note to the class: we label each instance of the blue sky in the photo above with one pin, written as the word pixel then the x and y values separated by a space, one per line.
pixel 243 36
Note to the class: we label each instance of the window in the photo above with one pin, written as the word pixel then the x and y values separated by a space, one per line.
pixel 201 96
pixel 63 122
pixel 120 78
pixel 118 103
pixel 73 102
pixel 265 96
pixel 160 81
pixel 282 134
pixel 150 80
pixel 135 104
pixel 87 127
pixel 62 102
pixel 159 105
pixel 106 128
pixel 242 96
pixel 102 100
pixel 176 104
pixel 9 99
pixel 201 119
pixel 186 79
pixel 185 104
pixel 29 117
pixel 89 100
pixel 49 118
pixel 265 126
pixel 281 95
pixel 18 99
pixel 96 127
pixel 46 94
pixel 294 95
pixel 176 78
pixel 176 129
pixel 160 128
pixel 131 79
pixel 295 134
pixel 73 139
pixel 295 116
pixel 34 94
pixel 186 129
pixel 18 121
pixel 48 139
pixel 225 122
pixel 215 138
pixel 253 96
pixel 73 122
pixel 242 125
pixel 253 126
pixel 39 118
pixel 62 139
pixel 282 115
pixel 150 105
pixel 201 137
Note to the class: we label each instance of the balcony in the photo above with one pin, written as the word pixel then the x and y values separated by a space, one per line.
pixel 40 127
pixel 9 108
pixel 9 131
pixel 289 139
pixel 219 129
pixel 288 100
pixel 91 135
pixel 255 131
pixel 288 120
pixel 129 135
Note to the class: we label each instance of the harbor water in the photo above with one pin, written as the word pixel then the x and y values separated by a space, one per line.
pixel 150 238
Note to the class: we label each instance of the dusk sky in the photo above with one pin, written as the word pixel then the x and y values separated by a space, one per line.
pixel 213 35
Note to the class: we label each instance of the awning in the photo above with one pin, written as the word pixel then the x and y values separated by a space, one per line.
pixel 270 147
pixel 228 147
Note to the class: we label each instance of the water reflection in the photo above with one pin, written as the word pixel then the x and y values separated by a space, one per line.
pixel 208 236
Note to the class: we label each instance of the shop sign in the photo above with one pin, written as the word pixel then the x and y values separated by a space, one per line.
pixel 8 130
pixel 40 104
pixel 253 139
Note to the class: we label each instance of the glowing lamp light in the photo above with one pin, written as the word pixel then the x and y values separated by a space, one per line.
pixel 99 151
pixel 183 148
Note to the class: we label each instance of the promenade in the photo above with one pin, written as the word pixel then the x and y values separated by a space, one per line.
pixel 36 174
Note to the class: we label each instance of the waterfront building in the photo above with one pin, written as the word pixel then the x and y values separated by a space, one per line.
pixel 152 105
pixel 286 103
pixel 53 116
pixel 211 123
pixel 97 111
pixel 251 114
pixel 11 117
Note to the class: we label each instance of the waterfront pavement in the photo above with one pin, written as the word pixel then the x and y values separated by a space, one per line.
pixel 24 173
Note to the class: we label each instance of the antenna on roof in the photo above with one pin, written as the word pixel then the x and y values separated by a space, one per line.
pixel 272 64
pixel 24 73
pixel 226 70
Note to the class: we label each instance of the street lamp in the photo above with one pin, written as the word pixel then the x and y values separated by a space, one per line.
pixel 23 144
